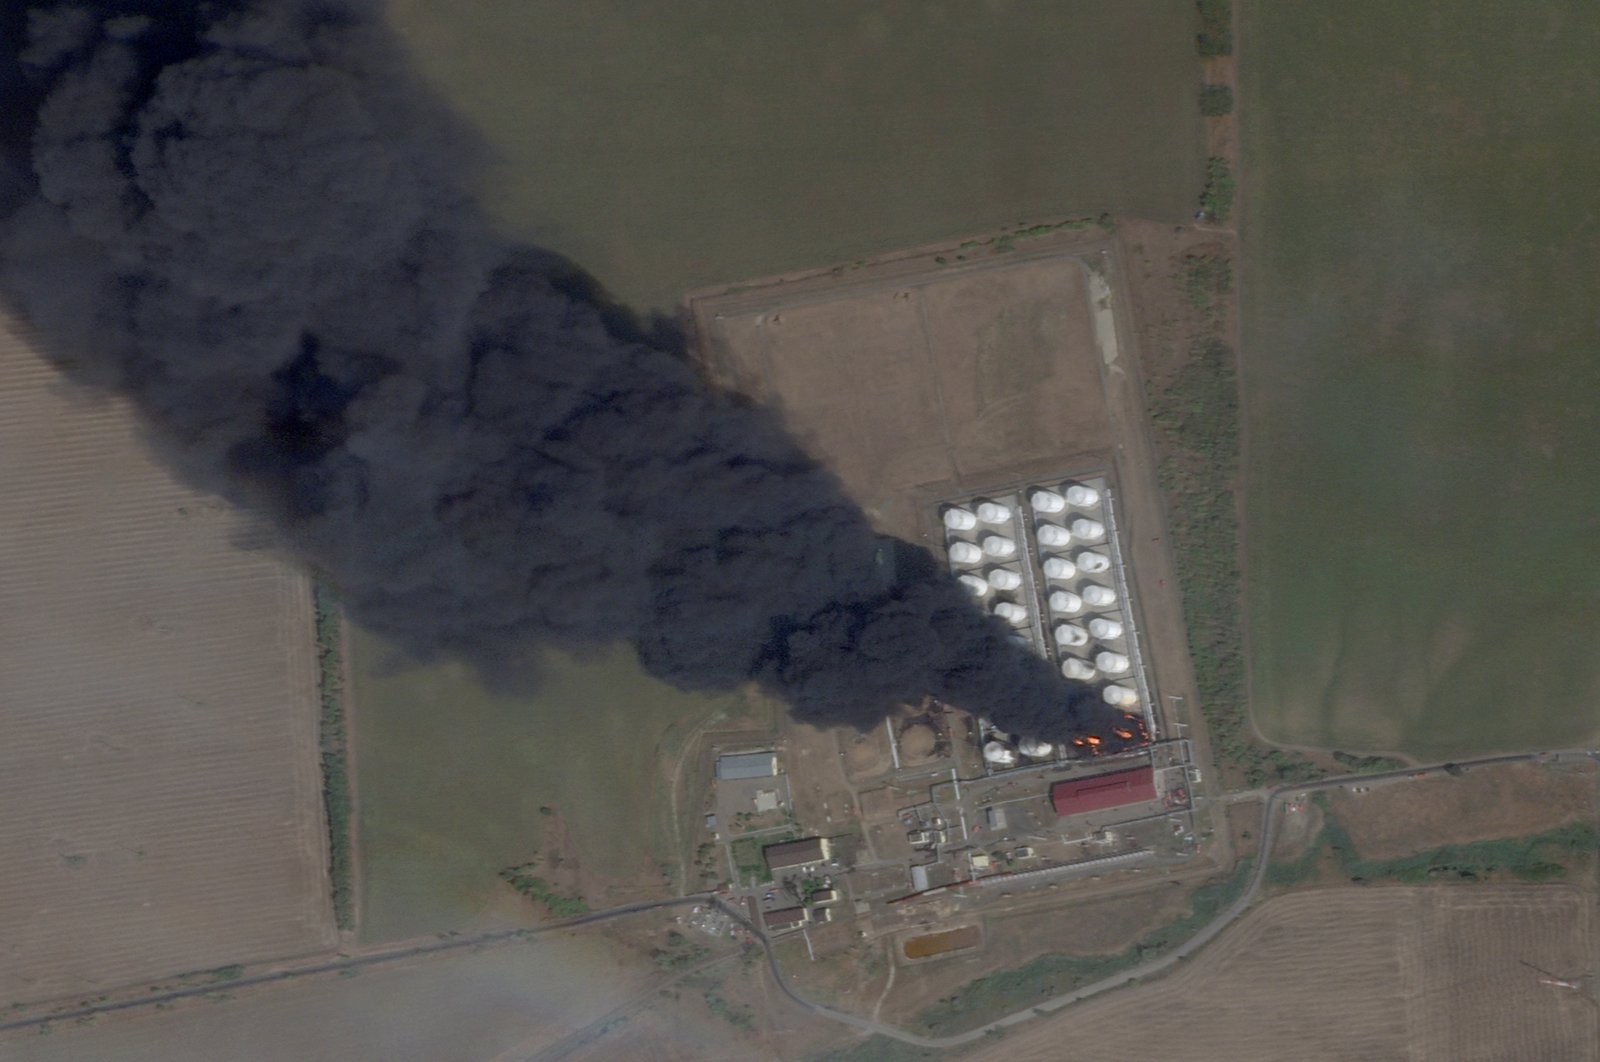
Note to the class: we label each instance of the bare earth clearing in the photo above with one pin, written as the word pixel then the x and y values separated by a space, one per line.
pixel 1391 973
pixel 158 716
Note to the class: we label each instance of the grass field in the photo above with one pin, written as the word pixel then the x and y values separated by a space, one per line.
pixel 452 782
pixel 1420 364
pixel 675 145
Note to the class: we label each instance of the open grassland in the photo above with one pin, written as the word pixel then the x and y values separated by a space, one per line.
pixel 715 139
pixel 160 805
pixel 565 785
pixel 1420 366
pixel 1426 973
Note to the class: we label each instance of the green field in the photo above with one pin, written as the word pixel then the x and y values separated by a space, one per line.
pixel 667 146
pixel 1421 363
pixel 450 782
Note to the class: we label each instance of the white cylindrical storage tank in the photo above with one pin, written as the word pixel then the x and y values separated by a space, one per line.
pixel 1011 613
pixel 1002 579
pixel 993 512
pixel 1082 497
pixel 1065 602
pixel 1035 749
pixel 1112 663
pixel 965 553
pixel 959 519
pixel 1099 596
pixel 1073 668
pixel 1054 537
pixel 1088 530
pixel 1119 696
pixel 975 583
pixel 1091 562
pixel 1059 568
pixel 1071 635
pixel 1047 501
pixel 999 546
pixel 1103 628
pixel 999 754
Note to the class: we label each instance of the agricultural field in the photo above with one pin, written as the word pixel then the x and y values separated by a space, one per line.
pixel 1357 973
pixel 162 802
pixel 1419 372
pixel 715 139
pixel 455 784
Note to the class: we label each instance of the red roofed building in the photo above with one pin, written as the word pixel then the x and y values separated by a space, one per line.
pixel 1101 791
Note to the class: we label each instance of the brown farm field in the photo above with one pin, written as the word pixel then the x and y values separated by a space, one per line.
pixel 160 787
pixel 1349 973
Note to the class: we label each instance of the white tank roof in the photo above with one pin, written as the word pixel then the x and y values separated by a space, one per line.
pixel 1004 579
pixel 1073 668
pixel 993 512
pixel 999 546
pixel 1088 530
pixel 1092 562
pixel 1071 634
pixel 1112 663
pixel 1065 602
pixel 1053 536
pixel 965 553
pixel 959 519
pixel 1034 748
pixel 1099 596
pixel 1047 501
pixel 975 583
pixel 1082 497
pixel 1101 627
pixel 999 753
pixel 1011 613
pixel 1120 696
pixel 1059 568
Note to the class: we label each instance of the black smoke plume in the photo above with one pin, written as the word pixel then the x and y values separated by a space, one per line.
pixel 253 220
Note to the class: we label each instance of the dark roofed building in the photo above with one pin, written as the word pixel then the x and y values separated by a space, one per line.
pixel 1101 791
pixel 792 854
pixel 784 918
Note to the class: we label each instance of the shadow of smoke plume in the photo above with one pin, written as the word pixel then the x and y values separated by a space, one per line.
pixel 255 222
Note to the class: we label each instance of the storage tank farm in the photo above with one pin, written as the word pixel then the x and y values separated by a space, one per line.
pixel 1045 560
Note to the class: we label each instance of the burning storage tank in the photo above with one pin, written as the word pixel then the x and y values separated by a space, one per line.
pixel 1065 602
pixel 1088 530
pixel 1073 668
pixel 999 754
pixel 1011 613
pixel 959 519
pixel 1047 501
pixel 1054 537
pixel 1119 696
pixel 1071 635
pixel 1035 749
pixel 1099 596
pixel 975 584
pixel 1112 663
pixel 993 512
pixel 999 546
pixel 1003 579
pixel 1059 568
pixel 1105 629
pixel 1092 563
pixel 1082 497
pixel 965 553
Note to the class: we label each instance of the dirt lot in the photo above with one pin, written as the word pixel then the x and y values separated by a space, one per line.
pixel 1486 802
pixel 162 803
pixel 1428 973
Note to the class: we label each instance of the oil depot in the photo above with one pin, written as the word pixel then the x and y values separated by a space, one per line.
pixel 1046 560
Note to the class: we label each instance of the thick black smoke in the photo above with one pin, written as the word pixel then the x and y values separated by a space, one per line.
pixel 254 221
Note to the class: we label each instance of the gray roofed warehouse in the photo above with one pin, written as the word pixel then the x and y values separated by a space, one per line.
pixel 747 765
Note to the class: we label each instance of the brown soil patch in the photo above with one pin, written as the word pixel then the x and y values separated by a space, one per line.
pixel 942 943
pixel 1486 802
pixel 917 744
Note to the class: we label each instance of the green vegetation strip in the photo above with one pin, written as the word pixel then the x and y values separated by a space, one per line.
pixel 1216 199
pixel 334 752
pixel 1535 857
pixel 1054 974
pixel 524 880
pixel 1215 38
pixel 1216 100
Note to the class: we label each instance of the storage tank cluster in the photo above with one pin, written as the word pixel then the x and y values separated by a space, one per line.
pixel 982 545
